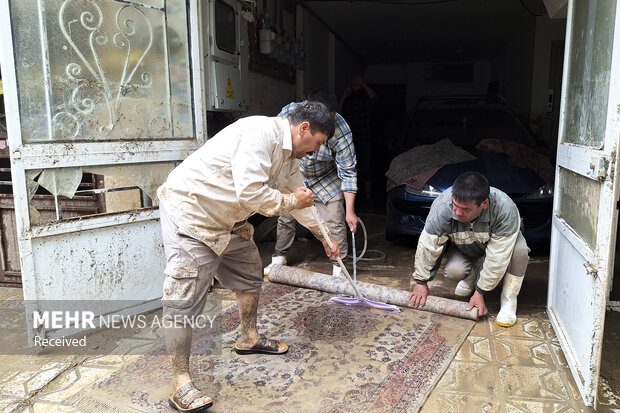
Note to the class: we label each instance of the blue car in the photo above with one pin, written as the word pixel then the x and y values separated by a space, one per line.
pixel 443 140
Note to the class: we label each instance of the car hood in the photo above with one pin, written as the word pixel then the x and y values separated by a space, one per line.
pixel 498 170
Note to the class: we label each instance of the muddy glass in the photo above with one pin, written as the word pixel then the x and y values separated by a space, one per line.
pixel 579 204
pixel 587 94
pixel 102 70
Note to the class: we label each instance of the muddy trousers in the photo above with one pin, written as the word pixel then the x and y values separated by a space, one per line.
pixel 191 266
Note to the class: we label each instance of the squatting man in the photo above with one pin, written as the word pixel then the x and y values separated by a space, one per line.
pixel 250 167
pixel 478 228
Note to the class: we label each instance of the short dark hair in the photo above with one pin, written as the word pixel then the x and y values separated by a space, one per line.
pixel 316 114
pixel 325 97
pixel 471 186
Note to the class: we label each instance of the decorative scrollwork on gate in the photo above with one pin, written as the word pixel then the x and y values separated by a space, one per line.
pixel 100 76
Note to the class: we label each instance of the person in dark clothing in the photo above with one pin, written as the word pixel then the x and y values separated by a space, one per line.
pixel 356 105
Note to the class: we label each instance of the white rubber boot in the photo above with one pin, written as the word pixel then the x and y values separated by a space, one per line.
pixel 277 260
pixel 337 271
pixel 465 287
pixel 507 316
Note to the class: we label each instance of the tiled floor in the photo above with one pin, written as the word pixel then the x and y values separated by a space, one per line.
pixel 517 369
pixel 520 369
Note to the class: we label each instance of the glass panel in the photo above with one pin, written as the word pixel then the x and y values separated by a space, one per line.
pixel 178 65
pixel 225 27
pixel 102 70
pixel 578 204
pixel 589 73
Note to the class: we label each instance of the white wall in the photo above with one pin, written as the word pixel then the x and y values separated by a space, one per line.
pixel 417 87
pixel 267 95
pixel 329 64
pixel 412 75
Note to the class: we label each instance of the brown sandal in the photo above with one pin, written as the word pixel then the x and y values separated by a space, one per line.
pixel 185 396
pixel 263 346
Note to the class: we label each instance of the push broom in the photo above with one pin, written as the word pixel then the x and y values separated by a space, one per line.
pixel 359 300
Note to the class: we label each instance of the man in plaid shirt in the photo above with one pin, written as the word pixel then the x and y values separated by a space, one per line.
pixel 331 175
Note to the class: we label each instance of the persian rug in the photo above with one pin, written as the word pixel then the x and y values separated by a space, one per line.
pixel 341 359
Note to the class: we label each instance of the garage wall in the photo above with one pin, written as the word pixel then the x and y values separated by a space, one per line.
pixel 267 95
pixel 548 62
pixel 547 31
pixel 324 53
pixel 414 75
pixel 316 46
pixel 347 65
pixel 329 63
pixel 522 70
pixel 516 77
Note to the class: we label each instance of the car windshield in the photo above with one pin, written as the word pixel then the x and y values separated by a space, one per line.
pixel 466 126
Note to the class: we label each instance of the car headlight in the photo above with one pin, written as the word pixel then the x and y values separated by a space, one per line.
pixel 544 192
pixel 427 191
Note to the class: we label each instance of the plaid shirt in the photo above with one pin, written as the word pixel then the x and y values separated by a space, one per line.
pixel 332 169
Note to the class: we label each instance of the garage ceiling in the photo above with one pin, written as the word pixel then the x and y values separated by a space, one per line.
pixel 402 31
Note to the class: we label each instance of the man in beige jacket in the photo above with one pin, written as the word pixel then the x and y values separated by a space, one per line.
pixel 249 167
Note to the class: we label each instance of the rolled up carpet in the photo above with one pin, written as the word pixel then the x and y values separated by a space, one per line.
pixel 337 285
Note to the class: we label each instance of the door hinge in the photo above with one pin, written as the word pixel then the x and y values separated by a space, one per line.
pixel 590 269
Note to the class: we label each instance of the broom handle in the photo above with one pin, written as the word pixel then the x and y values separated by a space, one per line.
pixel 331 245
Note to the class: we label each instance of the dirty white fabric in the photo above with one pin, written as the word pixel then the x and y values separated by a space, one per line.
pixel 409 167
pixel 246 168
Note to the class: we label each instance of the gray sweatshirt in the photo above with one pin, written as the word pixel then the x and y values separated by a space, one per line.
pixel 492 235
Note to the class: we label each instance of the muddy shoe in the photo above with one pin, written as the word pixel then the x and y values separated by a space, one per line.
pixel 263 346
pixel 185 396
